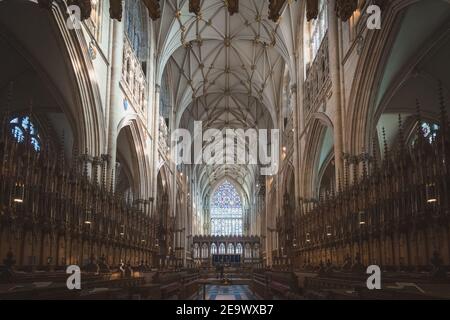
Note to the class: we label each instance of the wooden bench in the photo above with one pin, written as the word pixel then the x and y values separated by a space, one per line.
pixel 283 285
pixel 190 285
pixel 170 284
pixel 52 285
pixel 259 285
pixel 270 285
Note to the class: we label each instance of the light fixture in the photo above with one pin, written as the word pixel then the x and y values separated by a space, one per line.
pixel 87 219
pixel 122 233
pixel 308 237
pixel 329 234
pixel 431 193
pixel 284 149
pixel 362 219
pixel 19 192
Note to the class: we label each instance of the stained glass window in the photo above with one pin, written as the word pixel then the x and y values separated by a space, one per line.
pixel 319 28
pixel 226 211
pixel 135 27
pixel 22 129
pixel 429 131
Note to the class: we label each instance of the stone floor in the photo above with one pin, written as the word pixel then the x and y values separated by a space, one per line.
pixel 233 292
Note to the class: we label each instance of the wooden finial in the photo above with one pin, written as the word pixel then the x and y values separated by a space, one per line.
pixel 112 182
pixel 374 153
pixel 400 134
pixel 386 148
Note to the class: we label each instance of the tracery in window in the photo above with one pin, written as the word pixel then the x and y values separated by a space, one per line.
pixel 196 251
pixel 213 248
pixel 226 211
pixel 239 248
pixel 135 28
pixel 204 250
pixel 24 130
pixel 316 30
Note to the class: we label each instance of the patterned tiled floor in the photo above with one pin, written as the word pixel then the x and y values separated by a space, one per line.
pixel 234 292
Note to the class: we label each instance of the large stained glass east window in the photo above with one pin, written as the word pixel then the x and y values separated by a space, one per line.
pixel 226 211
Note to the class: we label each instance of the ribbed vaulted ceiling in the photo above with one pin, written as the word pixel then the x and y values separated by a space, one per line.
pixel 225 70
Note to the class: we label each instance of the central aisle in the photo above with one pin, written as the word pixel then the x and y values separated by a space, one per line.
pixel 233 292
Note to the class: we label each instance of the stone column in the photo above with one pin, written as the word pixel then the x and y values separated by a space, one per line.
pixel 155 142
pixel 299 133
pixel 115 94
pixel 295 138
pixel 336 102
pixel 268 235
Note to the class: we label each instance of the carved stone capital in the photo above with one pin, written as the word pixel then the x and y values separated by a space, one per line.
pixel 97 161
pixel 345 8
pixel 106 158
pixel 86 158
pixel 115 9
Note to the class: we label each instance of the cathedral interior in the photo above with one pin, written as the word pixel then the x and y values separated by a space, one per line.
pixel 351 96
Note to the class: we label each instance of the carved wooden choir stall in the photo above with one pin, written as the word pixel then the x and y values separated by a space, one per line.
pixel 55 213
pixel 393 213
